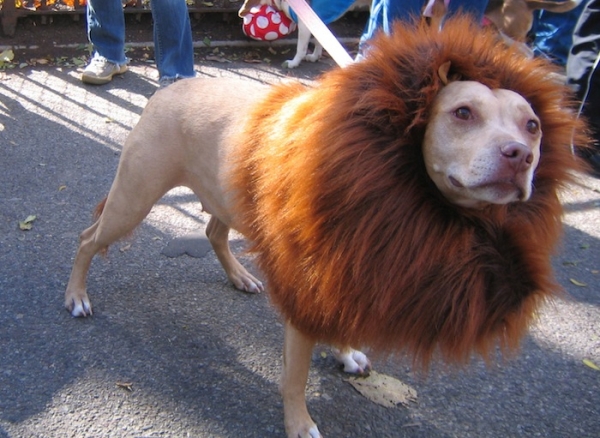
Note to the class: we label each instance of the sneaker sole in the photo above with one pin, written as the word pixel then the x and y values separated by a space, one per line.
pixel 101 80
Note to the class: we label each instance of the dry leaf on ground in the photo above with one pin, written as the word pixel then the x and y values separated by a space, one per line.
pixel 384 390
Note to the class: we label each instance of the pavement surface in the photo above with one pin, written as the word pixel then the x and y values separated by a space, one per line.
pixel 174 351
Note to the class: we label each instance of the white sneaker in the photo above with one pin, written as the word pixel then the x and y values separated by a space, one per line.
pixel 101 71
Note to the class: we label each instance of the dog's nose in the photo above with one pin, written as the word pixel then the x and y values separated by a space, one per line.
pixel 518 155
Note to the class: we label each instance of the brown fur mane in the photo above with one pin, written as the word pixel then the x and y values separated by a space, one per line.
pixel 357 245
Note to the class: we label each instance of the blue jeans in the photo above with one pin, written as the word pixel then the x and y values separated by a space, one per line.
pixel 384 12
pixel 173 47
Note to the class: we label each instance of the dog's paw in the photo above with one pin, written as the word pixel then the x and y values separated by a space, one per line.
pixel 354 361
pixel 251 286
pixel 305 432
pixel 246 282
pixel 290 63
pixel 313 57
pixel 79 307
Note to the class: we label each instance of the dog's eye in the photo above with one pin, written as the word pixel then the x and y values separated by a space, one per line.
pixel 463 113
pixel 532 126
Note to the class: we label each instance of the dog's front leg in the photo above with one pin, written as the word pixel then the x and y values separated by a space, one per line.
pixel 301 47
pixel 297 353
pixel 354 361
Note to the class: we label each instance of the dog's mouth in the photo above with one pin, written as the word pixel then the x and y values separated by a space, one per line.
pixel 500 191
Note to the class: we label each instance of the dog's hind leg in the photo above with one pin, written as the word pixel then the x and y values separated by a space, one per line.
pixel 218 235
pixel 316 54
pixel 297 354
pixel 133 193
pixel 117 220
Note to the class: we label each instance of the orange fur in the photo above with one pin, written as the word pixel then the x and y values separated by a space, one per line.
pixel 357 245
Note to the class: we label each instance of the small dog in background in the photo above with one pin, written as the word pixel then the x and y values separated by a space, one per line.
pixel 327 10
pixel 514 18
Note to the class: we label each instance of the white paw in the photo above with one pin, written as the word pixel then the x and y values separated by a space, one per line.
pixel 313 432
pixel 354 361
pixel 252 286
pixel 80 308
pixel 290 63
pixel 247 283
pixel 312 57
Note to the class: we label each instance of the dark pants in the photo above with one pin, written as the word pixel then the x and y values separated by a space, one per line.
pixel 583 74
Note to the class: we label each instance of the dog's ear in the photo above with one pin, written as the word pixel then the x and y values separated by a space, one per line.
pixel 245 8
pixel 445 75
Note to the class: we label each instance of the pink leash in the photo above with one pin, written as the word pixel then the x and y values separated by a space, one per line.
pixel 321 32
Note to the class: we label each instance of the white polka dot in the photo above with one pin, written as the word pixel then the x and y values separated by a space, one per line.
pixel 270 36
pixel 276 18
pixel 262 22
pixel 283 29
pixel 248 19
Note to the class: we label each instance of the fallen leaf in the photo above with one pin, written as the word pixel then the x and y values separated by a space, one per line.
pixel 61 188
pixel 323 354
pixel 7 56
pixel 217 58
pixel 577 283
pixel 584 246
pixel 27 224
pixel 125 385
pixel 206 41
pixel 570 263
pixel 125 248
pixel 591 364
pixel 384 390
pixel 42 61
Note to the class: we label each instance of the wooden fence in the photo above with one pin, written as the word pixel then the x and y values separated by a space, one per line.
pixel 12 10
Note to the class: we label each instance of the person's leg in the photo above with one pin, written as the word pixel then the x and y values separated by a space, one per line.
pixel 106 29
pixel 383 13
pixel 583 73
pixel 106 32
pixel 173 48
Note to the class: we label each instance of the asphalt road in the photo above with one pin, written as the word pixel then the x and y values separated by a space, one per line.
pixel 174 351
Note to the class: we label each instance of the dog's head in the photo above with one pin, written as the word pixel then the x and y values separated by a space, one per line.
pixel 481 145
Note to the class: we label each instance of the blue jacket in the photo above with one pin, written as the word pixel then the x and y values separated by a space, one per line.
pixel 327 10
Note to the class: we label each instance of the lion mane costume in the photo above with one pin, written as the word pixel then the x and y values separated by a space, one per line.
pixel 357 244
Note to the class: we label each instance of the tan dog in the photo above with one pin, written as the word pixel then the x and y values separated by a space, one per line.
pixel 304 33
pixel 514 18
pixel 197 157
pixel 373 251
